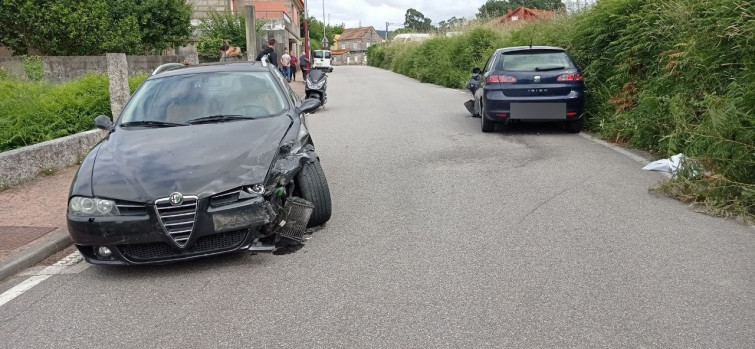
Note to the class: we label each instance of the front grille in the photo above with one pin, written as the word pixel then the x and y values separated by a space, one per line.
pixel 130 209
pixel 205 244
pixel 178 220
pixel 226 198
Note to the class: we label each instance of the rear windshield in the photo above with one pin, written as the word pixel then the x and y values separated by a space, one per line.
pixel 319 54
pixel 534 61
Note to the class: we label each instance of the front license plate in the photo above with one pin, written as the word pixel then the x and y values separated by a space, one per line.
pixel 538 111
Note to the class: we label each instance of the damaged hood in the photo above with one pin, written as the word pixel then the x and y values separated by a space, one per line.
pixel 144 164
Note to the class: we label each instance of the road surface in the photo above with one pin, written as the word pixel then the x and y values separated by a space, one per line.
pixel 441 236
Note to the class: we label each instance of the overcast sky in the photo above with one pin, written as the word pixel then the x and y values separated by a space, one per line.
pixel 377 12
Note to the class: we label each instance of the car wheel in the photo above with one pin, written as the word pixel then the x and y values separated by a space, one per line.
pixel 313 187
pixel 573 126
pixel 487 125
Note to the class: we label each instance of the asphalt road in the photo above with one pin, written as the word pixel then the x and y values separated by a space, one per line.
pixel 441 236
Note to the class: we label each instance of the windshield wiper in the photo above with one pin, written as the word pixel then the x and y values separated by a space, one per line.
pixel 151 123
pixel 218 118
pixel 549 68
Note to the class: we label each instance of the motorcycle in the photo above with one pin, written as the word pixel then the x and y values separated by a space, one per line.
pixel 316 84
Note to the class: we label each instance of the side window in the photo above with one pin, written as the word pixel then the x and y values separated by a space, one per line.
pixel 293 96
pixel 489 64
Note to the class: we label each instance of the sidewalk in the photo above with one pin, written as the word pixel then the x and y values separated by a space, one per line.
pixel 33 220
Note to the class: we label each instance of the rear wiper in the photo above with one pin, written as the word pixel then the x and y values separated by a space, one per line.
pixel 151 123
pixel 218 118
pixel 549 68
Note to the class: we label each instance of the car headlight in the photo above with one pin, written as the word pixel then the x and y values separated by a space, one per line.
pixel 83 206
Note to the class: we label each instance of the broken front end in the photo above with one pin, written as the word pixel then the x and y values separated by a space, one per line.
pixel 266 217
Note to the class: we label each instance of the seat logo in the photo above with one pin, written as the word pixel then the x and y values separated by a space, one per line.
pixel 537 78
pixel 176 198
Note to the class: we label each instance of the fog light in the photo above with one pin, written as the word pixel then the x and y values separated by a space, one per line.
pixel 104 252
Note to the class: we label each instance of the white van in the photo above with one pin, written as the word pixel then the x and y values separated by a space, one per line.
pixel 322 60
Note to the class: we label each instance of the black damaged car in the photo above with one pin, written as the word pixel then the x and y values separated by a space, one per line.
pixel 202 160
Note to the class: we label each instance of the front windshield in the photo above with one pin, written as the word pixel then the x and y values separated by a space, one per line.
pixel 182 98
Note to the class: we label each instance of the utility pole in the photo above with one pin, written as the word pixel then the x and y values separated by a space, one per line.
pixel 324 36
pixel 386 28
pixel 306 32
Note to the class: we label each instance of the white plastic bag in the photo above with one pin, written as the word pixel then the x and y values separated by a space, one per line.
pixel 670 165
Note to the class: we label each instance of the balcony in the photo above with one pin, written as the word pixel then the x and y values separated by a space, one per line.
pixel 278 20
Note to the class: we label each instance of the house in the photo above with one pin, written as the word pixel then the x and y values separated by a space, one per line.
pixel 523 14
pixel 356 41
pixel 281 18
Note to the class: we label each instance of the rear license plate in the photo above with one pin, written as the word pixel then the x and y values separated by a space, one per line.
pixel 538 111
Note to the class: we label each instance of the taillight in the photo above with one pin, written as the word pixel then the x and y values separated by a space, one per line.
pixel 494 79
pixel 570 77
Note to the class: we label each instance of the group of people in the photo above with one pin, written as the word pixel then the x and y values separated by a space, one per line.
pixel 287 62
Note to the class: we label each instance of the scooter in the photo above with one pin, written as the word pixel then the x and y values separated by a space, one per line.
pixel 317 82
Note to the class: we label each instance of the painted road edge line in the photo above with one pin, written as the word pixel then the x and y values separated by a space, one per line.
pixel 19 289
pixel 34 280
pixel 621 151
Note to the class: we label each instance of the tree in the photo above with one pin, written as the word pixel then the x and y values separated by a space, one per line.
pixel 416 21
pixel 497 8
pixel 451 23
pixel 91 27
pixel 218 26
pixel 316 31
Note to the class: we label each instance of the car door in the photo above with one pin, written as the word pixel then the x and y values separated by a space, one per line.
pixel 481 81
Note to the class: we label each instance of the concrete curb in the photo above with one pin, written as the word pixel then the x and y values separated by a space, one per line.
pixel 35 254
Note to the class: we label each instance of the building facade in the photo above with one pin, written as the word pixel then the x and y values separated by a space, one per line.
pixel 353 43
pixel 281 19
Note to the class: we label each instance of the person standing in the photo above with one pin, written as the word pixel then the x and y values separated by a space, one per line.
pixel 286 64
pixel 294 62
pixel 303 63
pixel 269 51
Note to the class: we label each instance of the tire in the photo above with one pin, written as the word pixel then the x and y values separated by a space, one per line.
pixel 486 125
pixel 573 126
pixel 313 187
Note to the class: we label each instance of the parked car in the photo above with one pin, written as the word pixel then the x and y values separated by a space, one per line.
pixel 322 60
pixel 202 160
pixel 528 83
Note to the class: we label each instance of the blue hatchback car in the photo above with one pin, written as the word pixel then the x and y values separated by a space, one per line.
pixel 526 84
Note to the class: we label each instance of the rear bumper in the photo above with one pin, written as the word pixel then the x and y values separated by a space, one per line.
pixel 497 107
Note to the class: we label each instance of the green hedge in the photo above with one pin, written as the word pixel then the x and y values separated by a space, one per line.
pixel 34 112
pixel 671 76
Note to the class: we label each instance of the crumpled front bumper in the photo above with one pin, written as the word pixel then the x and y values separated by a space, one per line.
pixel 142 239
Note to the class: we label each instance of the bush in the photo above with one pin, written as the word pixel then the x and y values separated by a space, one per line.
pixel 218 26
pixel 33 112
pixel 670 76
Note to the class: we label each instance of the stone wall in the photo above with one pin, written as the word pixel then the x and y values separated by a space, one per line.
pixel 24 164
pixel 63 68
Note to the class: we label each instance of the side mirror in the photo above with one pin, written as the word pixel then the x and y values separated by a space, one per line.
pixel 309 105
pixel 103 122
pixel 476 71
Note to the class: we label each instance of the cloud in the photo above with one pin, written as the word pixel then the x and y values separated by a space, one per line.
pixel 377 12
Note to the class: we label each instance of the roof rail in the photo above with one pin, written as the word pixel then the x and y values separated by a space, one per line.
pixel 166 67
